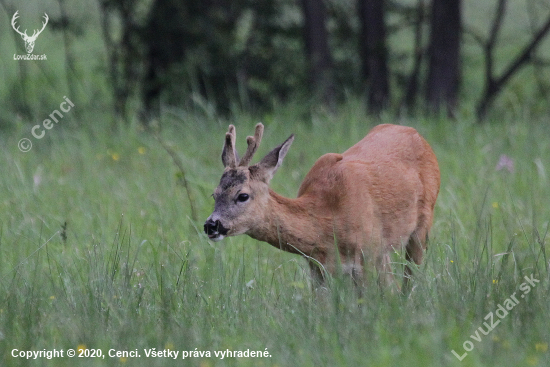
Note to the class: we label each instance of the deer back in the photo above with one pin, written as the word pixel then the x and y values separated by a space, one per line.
pixel 378 190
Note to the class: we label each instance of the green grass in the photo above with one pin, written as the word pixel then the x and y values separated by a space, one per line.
pixel 132 270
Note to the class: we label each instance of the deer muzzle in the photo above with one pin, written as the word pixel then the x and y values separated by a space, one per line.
pixel 215 229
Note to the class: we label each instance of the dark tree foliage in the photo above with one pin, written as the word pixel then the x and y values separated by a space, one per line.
pixel 318 52
pixel 444 56
pixel 494 84
pixel 411 82
pixel 219 50
pixel 250 54
pixel 186 50
pixel 374 53
pixel 123 52
pixel 166 36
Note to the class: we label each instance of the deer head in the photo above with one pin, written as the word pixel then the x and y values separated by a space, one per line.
pixel 242 194
pixel 29 40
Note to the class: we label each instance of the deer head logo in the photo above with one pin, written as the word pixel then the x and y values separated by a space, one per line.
pixel 29 40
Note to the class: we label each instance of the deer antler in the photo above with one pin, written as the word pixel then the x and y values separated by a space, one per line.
pixel 15 16
pixel 229 154
pixel 253 144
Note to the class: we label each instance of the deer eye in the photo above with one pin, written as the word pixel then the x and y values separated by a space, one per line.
pixel 243 197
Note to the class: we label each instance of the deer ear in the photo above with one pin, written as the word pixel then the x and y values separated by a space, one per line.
pixel 266 168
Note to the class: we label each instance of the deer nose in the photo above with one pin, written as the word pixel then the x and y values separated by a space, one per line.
pixel 211 227
pixel 215 230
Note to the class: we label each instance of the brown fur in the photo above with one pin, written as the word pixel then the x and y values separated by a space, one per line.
pixel 377 196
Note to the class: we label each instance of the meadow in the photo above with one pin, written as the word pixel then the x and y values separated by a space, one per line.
pixel 99 250
pixel 102 247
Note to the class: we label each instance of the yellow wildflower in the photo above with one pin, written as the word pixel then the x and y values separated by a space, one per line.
pixel 541 347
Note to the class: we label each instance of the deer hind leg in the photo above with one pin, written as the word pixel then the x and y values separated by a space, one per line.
pixel 414 252
pixel 357 269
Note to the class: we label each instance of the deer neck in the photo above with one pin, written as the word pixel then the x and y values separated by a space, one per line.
pixel 288 225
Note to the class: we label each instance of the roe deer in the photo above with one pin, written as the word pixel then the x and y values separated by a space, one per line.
pixel 354 207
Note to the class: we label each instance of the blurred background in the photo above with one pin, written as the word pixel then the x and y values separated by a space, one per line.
pixel 101 219
pixel 135 59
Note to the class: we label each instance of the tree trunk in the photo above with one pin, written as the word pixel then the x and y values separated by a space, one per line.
pixel 318 52
pixel 444 56
pixel 374 53
pixel 494 84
